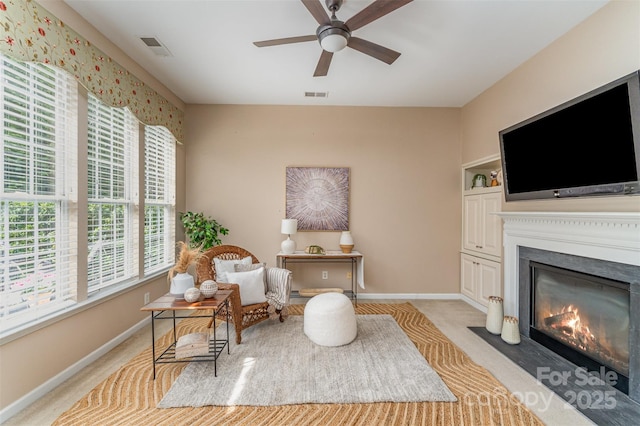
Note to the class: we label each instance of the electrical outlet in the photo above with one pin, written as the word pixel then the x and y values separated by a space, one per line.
pixel 325 275
pixel 348 275
pixel 146 298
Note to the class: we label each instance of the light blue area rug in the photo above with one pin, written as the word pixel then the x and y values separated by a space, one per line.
pixel 277 364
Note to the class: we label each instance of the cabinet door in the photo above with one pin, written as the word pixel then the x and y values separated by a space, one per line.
pixel 489 280
pixel 491 241
pixel 472 235
pixel 467 276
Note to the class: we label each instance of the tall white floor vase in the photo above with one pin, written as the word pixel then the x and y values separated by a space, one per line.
pixel 495 315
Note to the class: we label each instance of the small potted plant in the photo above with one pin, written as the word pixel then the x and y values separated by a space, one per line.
pixel 181 279
pixel 202 231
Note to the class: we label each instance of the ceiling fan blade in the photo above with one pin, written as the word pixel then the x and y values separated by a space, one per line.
pixel 374 50
pixel 317 10
pixel 323 64
pixel 375 10
pixel 288 40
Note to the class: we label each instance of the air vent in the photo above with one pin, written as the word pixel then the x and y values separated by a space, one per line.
pixel 316 94
pixel 151 41
pixel 156 46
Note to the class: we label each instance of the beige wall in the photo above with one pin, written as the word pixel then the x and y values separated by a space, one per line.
pixel 405 181
pixel 601 49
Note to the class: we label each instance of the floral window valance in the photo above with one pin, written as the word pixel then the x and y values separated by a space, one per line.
pixel 31 33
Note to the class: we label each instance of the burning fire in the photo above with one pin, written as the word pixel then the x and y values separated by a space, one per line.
pixel 567 326
pixel 568 323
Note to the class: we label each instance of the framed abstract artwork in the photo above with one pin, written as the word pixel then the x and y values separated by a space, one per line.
pixel 318 197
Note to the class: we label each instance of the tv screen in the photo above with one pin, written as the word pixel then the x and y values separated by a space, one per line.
pixel 587 146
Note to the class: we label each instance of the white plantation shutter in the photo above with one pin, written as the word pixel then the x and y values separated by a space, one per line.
pixel 159 195
pixel 112 195
pixel 38 244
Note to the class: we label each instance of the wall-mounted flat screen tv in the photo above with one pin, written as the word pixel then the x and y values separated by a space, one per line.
pixel 588 146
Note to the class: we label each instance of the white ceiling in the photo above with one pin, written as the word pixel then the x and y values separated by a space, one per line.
pixel 452 50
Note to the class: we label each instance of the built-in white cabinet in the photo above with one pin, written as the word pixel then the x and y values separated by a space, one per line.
pixel 481 252
pixel 480 278
pixel 482 228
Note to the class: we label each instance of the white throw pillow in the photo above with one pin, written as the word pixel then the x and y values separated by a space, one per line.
pixel 224 266
pixel 244 268
pixel 251 285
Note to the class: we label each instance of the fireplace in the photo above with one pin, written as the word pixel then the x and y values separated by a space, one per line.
pixel 573 280
pixel 584 318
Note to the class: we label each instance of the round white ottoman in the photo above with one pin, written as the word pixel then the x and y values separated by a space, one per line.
pixel 330 320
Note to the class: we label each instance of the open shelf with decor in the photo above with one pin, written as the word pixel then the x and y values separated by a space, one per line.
pixel 481 167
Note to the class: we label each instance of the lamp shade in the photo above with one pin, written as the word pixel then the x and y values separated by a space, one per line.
pixel 289 226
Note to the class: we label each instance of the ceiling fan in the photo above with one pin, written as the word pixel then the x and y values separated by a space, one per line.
pixel 334 35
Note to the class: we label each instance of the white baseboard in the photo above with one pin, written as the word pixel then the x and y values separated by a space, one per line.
pixel 473 303
pixel 22 403
pixel 441 296
pixel 424 296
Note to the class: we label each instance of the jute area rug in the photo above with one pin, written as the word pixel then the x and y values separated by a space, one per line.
pixel 277 364
pixel 130 395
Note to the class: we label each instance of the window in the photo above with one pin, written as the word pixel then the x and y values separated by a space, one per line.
pixel 37 239
pixel 112 195
pixel 42 209
pixel 159 198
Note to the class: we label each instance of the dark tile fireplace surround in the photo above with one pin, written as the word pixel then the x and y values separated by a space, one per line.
pixel 602 245
pixel 627 275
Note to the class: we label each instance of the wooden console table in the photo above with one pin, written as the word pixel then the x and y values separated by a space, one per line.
pixel 355 258
pixel 170 304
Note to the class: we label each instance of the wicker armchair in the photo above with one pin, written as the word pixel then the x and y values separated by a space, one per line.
pixel 278 289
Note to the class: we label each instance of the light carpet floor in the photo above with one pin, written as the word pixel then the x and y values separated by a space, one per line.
pixel 130 395
pixel 380 365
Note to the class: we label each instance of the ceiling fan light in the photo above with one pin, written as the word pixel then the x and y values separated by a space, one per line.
pixel 333 39
pixel 333 42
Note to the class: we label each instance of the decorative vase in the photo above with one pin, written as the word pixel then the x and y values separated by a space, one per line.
pixel 510 331
pixel 180 283
pixel 495 315
pixel 192 295
pixel 346 242
pixel 208 288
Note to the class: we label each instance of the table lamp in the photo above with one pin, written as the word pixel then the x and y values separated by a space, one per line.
pixel 289 226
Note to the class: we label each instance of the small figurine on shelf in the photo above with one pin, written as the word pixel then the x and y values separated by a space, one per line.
pixel 479 181
pixel 494 179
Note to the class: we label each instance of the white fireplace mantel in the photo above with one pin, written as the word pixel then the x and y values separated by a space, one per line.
pixel 607 236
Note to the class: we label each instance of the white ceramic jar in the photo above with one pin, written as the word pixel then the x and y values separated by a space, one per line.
pixel 180 283
pixel 346 242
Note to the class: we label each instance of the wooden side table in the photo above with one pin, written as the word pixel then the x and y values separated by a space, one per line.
pixel 167 307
